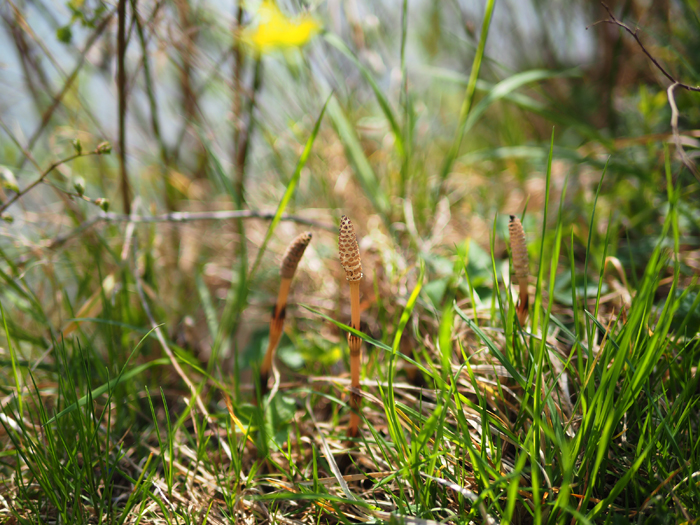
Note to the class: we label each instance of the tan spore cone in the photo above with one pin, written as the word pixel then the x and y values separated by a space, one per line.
pixel 349 251
pixel 521 265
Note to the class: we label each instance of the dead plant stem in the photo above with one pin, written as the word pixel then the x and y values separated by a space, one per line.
pixel 121 88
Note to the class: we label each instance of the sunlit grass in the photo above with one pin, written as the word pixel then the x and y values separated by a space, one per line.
pixel 569 398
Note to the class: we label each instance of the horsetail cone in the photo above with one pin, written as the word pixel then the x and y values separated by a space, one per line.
pixel 349 251
pixel 290 261
pixel 519 249
pixel 293 255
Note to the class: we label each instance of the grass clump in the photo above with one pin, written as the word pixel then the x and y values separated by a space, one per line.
pixel 130 343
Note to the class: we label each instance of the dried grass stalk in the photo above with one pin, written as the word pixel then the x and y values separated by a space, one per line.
pixel 352 264
pixel 290 261
pixel 521 265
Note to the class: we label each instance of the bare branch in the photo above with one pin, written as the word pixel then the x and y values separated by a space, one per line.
pixel 212 216
pixel 687 162
pixel 46 117
pixel 43 175
pixel 635 34
pixel 175 217
pixel 121 89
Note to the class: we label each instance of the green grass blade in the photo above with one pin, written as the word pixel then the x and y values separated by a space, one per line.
pixel 381 99
pixel 356 155
pixel 290 188
pixel 111 384
pixel 493 348
pixel 469 94
pixel 15 370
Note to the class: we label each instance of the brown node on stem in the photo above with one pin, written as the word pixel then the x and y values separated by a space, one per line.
pixel 293 255
pixel 349 251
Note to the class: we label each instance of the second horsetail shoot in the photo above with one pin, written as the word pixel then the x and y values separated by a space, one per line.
pixel 521 265
pixel 290 261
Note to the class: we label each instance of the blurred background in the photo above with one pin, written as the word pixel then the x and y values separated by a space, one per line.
pixel 208 105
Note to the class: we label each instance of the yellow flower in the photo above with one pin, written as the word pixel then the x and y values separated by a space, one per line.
pixel 277 31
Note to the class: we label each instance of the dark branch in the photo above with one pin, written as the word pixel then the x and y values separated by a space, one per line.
pixel 635 34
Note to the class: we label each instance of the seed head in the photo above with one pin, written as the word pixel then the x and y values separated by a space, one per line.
pixel 349 251
pixel 518 248
pixel 293 255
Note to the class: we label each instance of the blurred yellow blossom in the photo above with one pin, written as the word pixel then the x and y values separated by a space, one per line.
pixel 275 30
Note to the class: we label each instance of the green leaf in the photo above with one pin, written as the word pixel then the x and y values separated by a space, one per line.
pixel 469 94
pixel 64 34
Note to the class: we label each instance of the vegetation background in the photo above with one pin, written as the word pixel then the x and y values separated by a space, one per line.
pixel 157 158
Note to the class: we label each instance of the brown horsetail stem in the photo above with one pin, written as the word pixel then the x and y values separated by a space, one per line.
pixel 290 261
pixel 352 264
pixel 521 265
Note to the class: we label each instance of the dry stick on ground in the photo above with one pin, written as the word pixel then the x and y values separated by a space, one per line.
pixel 352 264
pixel 675 83
pixel 290 261
pixel 521 265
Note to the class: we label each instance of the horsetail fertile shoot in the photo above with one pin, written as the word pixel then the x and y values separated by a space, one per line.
pixel 521 265
pixel 290 261
pixel 352 264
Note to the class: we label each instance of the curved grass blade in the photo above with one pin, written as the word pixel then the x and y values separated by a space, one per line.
pixel 469 95
pixel 492 347
pixel 114 382
pixel 290 189
pixel 381 99
pixel 356 155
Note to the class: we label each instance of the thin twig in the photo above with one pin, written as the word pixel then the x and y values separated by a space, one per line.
pixel 635 34
pixel 237 69
pixel 211 216
pixel 150 93
pixel 121 87
pixel 687 162
pixel 46 117
pixel 41 178
pixel 247 133
pixel 177 217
